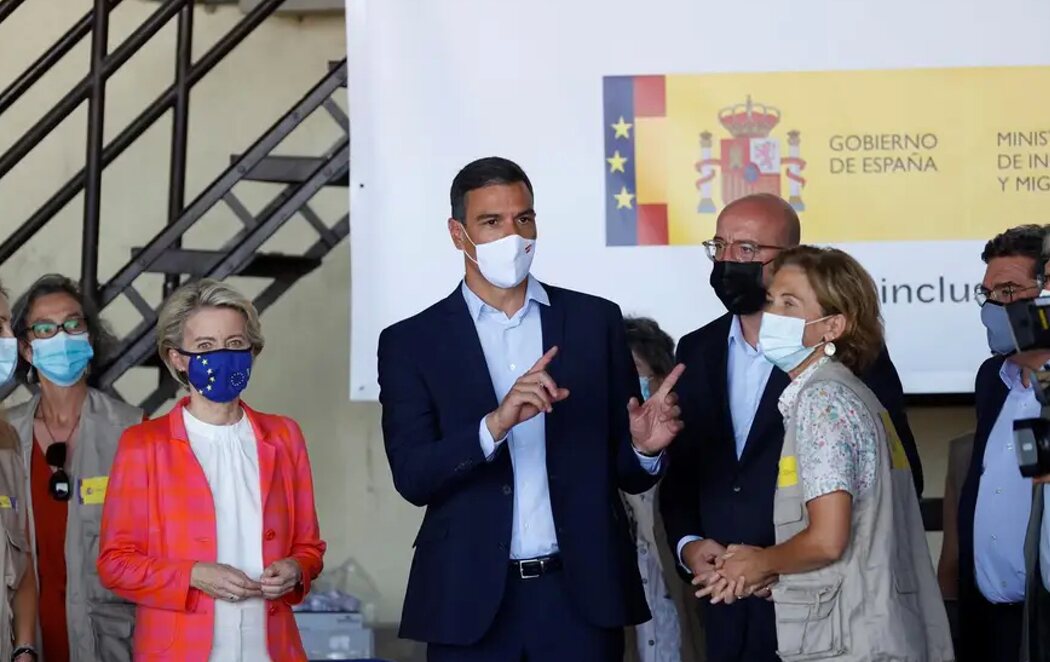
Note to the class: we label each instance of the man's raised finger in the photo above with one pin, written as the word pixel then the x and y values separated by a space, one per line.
pixel 544 361
pixel 671 379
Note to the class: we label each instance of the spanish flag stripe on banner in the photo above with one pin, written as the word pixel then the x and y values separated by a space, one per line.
pixel 636 207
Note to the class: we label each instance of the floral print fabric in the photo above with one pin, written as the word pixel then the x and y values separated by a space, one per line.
pixel 836 436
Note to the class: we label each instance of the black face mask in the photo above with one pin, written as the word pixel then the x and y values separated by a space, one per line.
pixel 739 287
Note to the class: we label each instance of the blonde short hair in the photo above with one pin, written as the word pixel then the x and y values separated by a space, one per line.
pixel 843 287
pixel 188 299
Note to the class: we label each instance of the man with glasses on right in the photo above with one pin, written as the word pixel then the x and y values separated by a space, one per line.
pixel 722 476
pixel 995 502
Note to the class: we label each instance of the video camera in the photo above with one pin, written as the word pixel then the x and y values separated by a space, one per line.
pixel 1030 323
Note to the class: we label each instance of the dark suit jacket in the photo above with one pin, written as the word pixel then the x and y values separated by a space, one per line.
pixel 435 389
pixel 990 394
pixel 707 490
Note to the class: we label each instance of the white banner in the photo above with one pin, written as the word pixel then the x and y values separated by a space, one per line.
pixel 434 85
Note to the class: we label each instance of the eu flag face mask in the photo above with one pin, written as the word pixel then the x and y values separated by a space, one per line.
pixel 62 359
pixel 219 375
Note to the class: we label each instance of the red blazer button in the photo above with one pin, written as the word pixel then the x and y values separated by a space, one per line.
pixel 270 534
pixel 273 609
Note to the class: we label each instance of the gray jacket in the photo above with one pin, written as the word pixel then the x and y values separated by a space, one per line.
pixel 14 547
pixel 100 623
pixel 880 601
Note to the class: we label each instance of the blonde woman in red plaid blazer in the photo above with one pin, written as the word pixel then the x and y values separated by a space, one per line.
pixel 209 523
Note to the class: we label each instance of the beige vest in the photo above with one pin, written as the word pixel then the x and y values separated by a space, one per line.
pixel 14 548
pixel 100 623
pixel 880 601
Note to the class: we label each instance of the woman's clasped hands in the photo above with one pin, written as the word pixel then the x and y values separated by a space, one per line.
pixel 739 573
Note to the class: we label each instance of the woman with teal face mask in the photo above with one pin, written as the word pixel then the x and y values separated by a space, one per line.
pixel 845 511
pixel 68 434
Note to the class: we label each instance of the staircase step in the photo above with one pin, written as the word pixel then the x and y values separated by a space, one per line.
pixel 196 263
pixel 289 170
pixel 336 64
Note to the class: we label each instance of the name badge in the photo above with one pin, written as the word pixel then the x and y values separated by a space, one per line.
pixel 788 474
pixel 8 503
pixel 93 490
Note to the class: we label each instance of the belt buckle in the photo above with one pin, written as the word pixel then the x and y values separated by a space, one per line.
pixel 530 569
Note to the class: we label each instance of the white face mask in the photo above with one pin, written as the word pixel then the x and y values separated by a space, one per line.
pixel 504 262
pixel 780 339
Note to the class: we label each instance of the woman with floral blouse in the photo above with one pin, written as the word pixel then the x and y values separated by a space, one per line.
pixel 851 575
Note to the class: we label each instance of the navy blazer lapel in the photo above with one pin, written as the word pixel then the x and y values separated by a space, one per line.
pixel 995 403
pixel 464 349
pixel 767 416
pixel 720 382
pixel 552 323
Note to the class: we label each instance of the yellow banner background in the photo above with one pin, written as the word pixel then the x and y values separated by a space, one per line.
pixel 966 109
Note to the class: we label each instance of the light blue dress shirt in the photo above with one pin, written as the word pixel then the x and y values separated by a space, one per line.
pixel 747 373
pixel 1004 499
pixel 512 346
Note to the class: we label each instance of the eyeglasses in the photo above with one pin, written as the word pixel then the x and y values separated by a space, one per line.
pixel 1002 294
pixel 746 251
pixel 58 486
pixel 74 326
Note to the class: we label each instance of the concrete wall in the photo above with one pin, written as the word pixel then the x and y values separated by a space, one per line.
pixel 303 372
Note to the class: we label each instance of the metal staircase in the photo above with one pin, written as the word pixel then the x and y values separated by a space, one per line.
pixel 300 178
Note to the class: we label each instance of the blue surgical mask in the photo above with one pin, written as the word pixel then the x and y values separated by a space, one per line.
pixel 219 375
pixel 780 340
pixel 997 324
pixel 8 359
pixel 644 383
pixel 62 359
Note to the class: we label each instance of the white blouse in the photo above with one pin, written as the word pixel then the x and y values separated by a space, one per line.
pixel 230 459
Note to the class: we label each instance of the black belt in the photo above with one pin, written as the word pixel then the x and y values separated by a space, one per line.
pixel 533 568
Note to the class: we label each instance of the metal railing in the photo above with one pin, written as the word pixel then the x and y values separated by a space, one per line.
pixel 91 88
pixel 164 253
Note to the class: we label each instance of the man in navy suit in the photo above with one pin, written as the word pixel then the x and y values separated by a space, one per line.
pixel 722 477
pixel 996 501
pixel 511 412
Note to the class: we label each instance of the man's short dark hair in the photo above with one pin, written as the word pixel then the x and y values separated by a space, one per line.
pixel 489 171
pixel 1022 241
pixel 651 344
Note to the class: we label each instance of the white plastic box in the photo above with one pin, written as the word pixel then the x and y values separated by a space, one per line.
pixel 335 636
